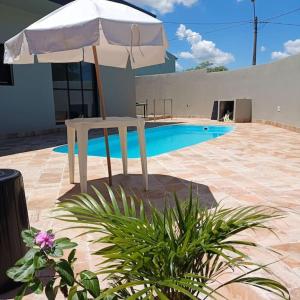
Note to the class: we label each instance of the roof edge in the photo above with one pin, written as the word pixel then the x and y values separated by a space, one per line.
pixel 64 2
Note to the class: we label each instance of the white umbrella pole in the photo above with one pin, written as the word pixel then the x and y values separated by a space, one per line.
pixel 102 111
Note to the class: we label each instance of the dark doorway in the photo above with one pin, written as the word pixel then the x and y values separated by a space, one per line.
pixel 214 114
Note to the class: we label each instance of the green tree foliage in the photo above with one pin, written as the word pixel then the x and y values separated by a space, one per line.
pixel 209 67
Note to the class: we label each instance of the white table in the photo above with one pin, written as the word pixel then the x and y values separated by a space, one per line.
pixel 81 126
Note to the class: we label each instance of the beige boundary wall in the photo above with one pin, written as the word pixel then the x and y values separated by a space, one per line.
pixel 274 88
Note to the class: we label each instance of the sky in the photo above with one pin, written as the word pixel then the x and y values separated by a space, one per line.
pixel 220 31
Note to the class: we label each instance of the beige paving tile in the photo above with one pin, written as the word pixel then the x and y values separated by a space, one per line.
pixel 256 164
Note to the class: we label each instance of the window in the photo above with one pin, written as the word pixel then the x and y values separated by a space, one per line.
pixel 74 91
pixel 6 74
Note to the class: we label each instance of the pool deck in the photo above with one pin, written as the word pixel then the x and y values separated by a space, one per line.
pixel 255 164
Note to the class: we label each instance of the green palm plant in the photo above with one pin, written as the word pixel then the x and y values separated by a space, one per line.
pixel 179 253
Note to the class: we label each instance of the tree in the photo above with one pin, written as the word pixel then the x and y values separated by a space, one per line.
pixel 209 66
pixel 217 69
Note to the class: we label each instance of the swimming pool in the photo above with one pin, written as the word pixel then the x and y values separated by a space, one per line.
pixel 159 140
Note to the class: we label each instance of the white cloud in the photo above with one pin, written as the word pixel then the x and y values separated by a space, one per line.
pixel 186 55
pixel 289 48
pixel 202 50
pixel 163 6
pixel 278 55
pixel 263 48
pixel 178 66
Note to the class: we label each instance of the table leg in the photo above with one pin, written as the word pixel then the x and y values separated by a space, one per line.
pixel 71 149
pixel 82 137
pixel 141 133
pixel 123 140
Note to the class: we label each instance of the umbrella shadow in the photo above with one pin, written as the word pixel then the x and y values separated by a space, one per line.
pixel 161 189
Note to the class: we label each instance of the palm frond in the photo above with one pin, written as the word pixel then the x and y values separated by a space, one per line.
pixel 177 253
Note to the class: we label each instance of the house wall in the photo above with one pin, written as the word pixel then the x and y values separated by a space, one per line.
pixel 193 92
pixel 168 67
pixel 119 91
pixel 28 104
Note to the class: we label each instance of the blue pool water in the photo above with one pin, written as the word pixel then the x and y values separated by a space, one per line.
pixel 159 140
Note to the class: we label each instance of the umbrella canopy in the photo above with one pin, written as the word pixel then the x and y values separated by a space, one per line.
pixel 94 31
pixel 118 31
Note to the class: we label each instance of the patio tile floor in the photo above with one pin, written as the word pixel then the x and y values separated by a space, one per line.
pixel 256 164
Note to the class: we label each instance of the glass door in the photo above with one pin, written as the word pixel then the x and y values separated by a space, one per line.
pixel 74 91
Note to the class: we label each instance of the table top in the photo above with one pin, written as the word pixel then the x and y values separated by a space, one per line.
pixel 109 122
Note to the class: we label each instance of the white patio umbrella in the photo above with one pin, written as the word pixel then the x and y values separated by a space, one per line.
pixel 94 31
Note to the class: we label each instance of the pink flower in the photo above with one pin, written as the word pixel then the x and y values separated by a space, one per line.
pixel 44 239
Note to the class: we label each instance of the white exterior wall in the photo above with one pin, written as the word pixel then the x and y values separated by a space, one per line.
pixel 28 104
pixel 193 92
